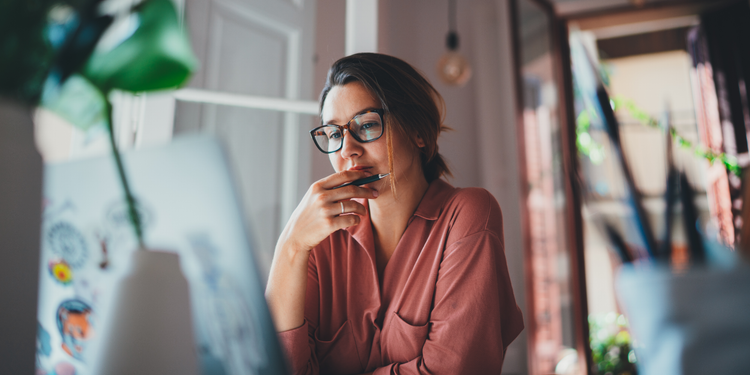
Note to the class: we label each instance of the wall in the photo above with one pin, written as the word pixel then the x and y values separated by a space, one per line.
pixel 481 150
pixel 416 32
pixel 329 47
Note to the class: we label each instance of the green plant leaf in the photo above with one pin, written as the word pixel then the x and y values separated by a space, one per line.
pixel 156 56
pixel 78 101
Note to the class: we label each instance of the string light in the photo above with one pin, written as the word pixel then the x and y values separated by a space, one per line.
pixel 595 152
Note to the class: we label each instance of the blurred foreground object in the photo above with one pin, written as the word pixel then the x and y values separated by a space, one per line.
pixel 161 341
pixel 690 323
pixel 25 59
pixel 25 56
pixel 157 56
pixel 188 202
pixel 20 223
pixel 43 43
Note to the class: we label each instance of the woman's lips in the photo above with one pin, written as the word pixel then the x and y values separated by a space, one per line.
pixel 366 170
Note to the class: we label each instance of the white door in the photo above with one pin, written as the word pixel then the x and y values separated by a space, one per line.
pixel 260 48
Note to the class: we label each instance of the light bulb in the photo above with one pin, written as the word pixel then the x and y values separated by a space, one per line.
pixel 453 68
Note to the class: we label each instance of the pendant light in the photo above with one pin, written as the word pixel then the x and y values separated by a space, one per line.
pixel 452 67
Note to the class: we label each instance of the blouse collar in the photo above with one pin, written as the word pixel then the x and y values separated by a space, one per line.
pixel 429 208
pixel 434 200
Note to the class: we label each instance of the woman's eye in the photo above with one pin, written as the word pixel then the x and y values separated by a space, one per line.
pixel 334 135
pixel 368 125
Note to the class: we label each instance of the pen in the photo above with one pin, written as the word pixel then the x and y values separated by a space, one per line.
pixel 635 198
pixel 664 252
pixel 363 181
pixel 690 219
pixel 618 243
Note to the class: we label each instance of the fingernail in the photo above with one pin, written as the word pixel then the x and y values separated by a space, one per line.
pixel 375 193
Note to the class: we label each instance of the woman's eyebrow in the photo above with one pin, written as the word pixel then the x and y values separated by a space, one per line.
pixel 330 122
pixel 368 109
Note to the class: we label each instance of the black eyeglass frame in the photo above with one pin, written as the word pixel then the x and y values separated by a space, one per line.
pixel 380 113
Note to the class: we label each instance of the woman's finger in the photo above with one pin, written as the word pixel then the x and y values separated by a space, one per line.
pixel 340 178
pixel 346 207
pixel 345 221
pixel 349 192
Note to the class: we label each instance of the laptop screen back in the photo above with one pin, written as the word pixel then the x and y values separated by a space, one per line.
pixel 188 205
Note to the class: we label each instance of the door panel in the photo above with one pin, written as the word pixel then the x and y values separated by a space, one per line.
pixel 258 48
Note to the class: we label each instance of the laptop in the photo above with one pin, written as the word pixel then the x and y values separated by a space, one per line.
pixel 188 205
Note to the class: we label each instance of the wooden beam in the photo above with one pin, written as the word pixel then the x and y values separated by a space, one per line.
pixel 649 11
pixel 640 44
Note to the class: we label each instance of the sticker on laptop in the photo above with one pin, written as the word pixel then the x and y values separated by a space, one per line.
pixel 67 242
pixel 75 323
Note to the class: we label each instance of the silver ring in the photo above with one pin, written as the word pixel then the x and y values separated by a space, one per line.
pixel 342 207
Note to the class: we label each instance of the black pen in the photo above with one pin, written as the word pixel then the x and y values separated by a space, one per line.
pixel 690 220
pixel 636 198
pixel 664 252
pixel 618 243
pixel 363 181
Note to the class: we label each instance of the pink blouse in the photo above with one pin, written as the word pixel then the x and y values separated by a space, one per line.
pixel 445 307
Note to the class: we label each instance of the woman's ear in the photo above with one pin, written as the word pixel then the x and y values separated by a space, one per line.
pixel 419 142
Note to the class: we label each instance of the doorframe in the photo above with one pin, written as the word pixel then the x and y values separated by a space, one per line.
pixel 573 225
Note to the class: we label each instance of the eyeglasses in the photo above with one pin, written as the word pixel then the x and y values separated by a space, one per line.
pixel 364 127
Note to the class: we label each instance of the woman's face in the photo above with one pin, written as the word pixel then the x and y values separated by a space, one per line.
pixel 341 105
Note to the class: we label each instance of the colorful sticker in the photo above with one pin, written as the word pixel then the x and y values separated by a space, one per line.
pixel 74 321
pixel 43 347
pixel 61 271
pixel 68 243
pixel 118 214
pixel 64 368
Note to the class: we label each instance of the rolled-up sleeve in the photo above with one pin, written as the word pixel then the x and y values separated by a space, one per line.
pixel 298 343
pixel 475 316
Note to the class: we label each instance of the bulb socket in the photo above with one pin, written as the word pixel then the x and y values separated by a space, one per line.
pixel 452 40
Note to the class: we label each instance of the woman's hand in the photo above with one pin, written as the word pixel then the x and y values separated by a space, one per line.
pixel 320 212
pixel 317 216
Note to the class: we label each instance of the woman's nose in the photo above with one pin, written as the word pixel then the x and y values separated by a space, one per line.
pixel 350 146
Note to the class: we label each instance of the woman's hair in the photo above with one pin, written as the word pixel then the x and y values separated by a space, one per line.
pixel 412 106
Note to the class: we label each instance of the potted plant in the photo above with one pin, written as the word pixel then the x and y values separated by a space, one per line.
pixel 50 55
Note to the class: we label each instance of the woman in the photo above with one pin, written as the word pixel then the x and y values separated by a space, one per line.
pixel 405 275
